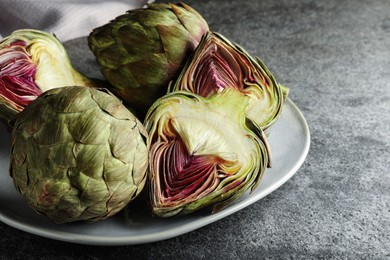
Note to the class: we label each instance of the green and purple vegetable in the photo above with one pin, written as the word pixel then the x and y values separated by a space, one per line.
pixel 78 154
pixel 141 51
pixel 32 62
pixel 203 152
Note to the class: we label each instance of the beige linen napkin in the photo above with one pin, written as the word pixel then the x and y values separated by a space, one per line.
pixel 67 19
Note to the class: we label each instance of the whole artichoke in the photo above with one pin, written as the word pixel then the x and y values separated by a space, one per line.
pixel 78 154
pixel 32 62
pixel 219 64
pixel 202 152
pixel 141 51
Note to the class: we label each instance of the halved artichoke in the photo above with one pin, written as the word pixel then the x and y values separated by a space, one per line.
pixel 141 51
pixel 78 154
pixel 202 152
pixel 219 64
pixel 32 62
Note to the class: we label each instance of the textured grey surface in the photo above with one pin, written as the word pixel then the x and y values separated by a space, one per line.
pixel 335 58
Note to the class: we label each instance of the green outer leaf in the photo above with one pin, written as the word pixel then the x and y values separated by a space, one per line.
pixel 7 112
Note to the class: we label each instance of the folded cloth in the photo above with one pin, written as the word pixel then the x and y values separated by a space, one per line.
pixel 67 19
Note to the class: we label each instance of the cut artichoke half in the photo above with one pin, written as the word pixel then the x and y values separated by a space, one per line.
pixel 32 62
pixel 219 64
pixel 202 152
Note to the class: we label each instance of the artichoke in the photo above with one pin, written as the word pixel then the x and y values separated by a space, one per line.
pixel 140 52
pixel 78 154
pixel 219 64
pixel 32 62
pixel 202 152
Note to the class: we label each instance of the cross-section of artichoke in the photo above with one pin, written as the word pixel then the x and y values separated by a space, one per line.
pixel 219 64
pixel 141 51
pixel 78 154
pixel 32 62
pixel 202 152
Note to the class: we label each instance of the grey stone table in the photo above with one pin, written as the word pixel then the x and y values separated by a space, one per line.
pixel 335 58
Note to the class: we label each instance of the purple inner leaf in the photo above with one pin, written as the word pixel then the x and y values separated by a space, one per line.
pixel 184 174
pixel 218 66
pixel 216 70
pixel 17 76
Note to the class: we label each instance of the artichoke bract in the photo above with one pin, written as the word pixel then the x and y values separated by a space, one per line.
pixel 141 51
pixel 219 64
pixel 202 152
pixel 32 62
pixel 77 154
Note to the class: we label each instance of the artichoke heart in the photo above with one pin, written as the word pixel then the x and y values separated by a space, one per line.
pixel 78 154
pixel 219 64
pixel 141 51
pixel 202 152
pixel 32 62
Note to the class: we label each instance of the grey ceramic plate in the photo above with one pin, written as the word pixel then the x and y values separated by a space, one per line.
pixel 289 141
